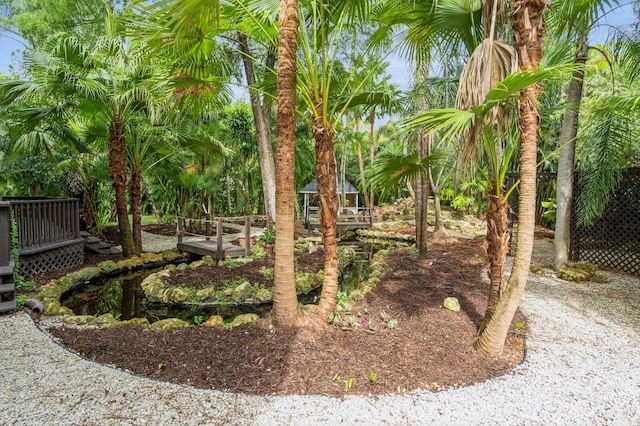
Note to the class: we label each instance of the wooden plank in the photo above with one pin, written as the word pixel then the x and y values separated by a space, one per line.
pixel 8 306
pixel 210 248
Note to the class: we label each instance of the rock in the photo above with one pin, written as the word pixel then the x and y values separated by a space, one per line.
pixel 452 304
pixel 130 263
pixel 214 321
pixel 205 294
pixel 54 308
pixel 244 319
pixel 182 267
pixel 84 274
pixel 242 292
pixel 151 257
pixel 86 320
pixel 168 323
pixel 263 295
pixel 178 295
pixel 106 320
pixel 107 266
pixel 307 282
pixel 153 286
pixel 172 254
pixel 135 321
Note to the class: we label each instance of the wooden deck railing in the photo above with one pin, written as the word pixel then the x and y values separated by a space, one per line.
pixel 348 217
pixel 45 223
pixel 204 227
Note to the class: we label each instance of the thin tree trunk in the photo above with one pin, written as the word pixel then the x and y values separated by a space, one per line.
pixel 528 30
pixel 118 171
pixel 285 301
pixel 88 205
pixel 422 192
pixel 263 134
pixel 136 208
pixel 566 143
pixel 372 152
pixel 328 209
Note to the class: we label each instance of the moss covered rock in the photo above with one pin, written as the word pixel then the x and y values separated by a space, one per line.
pixel 179 295
pixel 169 323
pixel 581 271
pixel 242 292
pixel 107 266
pixel 214 321
pixel 244 319
pixel 53 307
pixel 77 320
pixel 135 321
pixel 206 294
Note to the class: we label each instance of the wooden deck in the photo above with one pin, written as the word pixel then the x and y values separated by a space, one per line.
pixel 217 248
pixel 361 218
pixel 210 248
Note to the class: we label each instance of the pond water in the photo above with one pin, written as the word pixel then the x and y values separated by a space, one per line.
pixel 123 297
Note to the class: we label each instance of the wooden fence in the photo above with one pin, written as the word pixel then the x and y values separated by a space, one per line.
pixel 48 233
pixel 7 283
pixel 613 240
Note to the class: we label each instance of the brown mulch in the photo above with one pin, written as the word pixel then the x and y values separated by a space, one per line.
pixel 431 348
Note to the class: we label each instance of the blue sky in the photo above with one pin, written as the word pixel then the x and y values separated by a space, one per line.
pixel 397 68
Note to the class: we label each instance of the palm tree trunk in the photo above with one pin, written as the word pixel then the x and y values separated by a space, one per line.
pixel 285 301
pixel 328 209
pixel 372 152
pixel 136 209
pixel 263 134
pixel 497 243
pixel 528 29
pixel 566 143
pixel 422 192
pixel 118 171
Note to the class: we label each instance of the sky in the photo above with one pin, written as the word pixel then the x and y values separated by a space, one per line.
pixel 398 68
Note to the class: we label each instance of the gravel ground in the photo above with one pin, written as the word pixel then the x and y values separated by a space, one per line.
pixel 582 367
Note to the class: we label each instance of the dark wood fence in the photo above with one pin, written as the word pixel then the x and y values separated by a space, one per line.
pixel 7 283
pixel 613 240
pixel 48 233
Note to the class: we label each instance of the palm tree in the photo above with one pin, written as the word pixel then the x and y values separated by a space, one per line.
pixel 528 27
pixel 285 301
pixel 573 18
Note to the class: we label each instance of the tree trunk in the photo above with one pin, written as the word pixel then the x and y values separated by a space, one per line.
pixel 263 134
pixel 117 169
pixel 136 208
pixel 372 152
pixel 285 301
pixel 422 195
pixel 328 209
pixel 566 143
pixel 497 245
pixel 88 206
pixel 528 29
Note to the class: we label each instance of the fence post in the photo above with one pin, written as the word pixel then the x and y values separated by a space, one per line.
pixel 219 239
pixel 7 283
pixel 247 235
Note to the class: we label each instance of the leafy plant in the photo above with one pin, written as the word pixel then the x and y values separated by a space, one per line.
pixel 21 300
pixel 266 272
pixel 342 297
pixel 269 236
pixel 198 319
pixel 550 207
pixel 28 286
pixel 414 253
pixel 348 384
pixel 160 365
pixel 373 377
pixel 19 279
pixel 389 322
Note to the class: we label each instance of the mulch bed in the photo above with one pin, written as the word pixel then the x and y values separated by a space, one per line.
pixel 431 348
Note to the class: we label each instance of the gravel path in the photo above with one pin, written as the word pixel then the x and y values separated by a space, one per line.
pixel 582 367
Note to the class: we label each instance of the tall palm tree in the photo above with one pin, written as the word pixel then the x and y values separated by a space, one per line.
pixel 575 18
pixel 528 27
pixel 285 302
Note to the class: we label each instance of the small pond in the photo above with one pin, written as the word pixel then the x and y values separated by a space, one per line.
pixel 123 297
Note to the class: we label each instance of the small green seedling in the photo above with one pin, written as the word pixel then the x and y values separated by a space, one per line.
pixel 348 384
pixel 520 325
pixel 373 377
pixel 160 365
pixel 198 319
pixel 336 378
